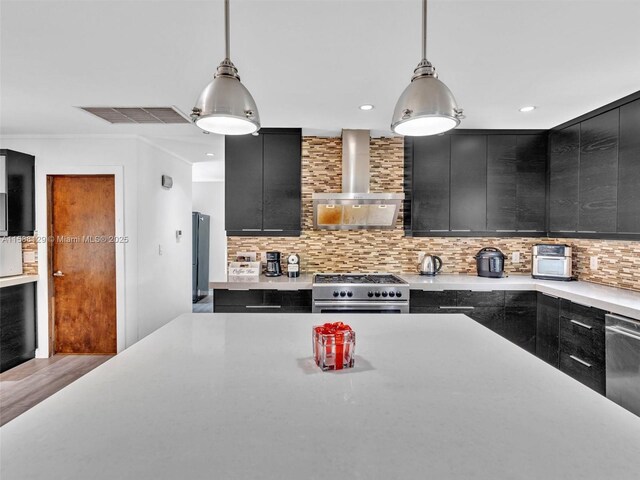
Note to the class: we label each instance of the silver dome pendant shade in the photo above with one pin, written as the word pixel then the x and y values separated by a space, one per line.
pixel 225 106
pixel 427 106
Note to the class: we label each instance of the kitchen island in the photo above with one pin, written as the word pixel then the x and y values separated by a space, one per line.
pixel 238 396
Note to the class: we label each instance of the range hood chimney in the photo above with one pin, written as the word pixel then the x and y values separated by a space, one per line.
pixel 355 208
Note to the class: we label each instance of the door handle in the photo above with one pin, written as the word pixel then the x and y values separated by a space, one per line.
pixel 58 274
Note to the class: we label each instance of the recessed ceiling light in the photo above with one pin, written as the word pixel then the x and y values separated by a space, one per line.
pixel 209 154
pixel 366 106
pixel 530 108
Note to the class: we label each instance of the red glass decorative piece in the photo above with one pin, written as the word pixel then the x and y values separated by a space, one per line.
pixel 334 346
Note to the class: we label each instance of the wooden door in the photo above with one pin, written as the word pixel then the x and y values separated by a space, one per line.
pixel 83 263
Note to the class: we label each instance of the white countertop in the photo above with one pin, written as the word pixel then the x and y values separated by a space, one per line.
pixel 17 280
pixel 235 396
pixel 303 282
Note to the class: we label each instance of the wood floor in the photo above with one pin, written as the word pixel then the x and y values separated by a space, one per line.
pixel 28 384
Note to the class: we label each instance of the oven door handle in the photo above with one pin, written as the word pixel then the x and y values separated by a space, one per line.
pixel 328 303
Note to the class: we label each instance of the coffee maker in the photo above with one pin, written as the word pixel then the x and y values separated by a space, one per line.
pixel 293 265
pixel 273 265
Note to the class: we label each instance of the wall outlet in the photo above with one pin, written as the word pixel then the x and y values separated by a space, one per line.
pixel 159 249
pixel 29 257
pixel 515 257
pixel 593 263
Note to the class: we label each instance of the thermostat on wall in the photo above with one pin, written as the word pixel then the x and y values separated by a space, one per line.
pixel 167 181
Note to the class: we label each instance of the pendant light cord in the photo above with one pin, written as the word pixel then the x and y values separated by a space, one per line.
pixel 424 29
pixel 226 30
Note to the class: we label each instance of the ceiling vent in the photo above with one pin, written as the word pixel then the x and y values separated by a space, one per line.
pixel 146 115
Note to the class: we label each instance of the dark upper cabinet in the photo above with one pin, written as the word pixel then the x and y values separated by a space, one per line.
pixel 502 174
pixel 564 179
pixel 599 173
pixel 430 201
pixel 243 182
pixel 531 180
pixel 516 183
pixel 629 169
pixel 20 192
pixel 468 207
pixel 17 325
pixel 282 182
pixel 263 183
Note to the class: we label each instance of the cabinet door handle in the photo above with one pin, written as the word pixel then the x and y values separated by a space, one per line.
pixel 460 230
pixel 580 324
pixel 586 231
pixel 456 308
pixel 273 229
pixel 579 360
pixel 264 306
pixel 251 229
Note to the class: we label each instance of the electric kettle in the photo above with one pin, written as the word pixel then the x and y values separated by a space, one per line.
pixel 430 265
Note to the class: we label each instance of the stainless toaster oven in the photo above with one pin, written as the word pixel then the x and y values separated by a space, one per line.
pixel 552 262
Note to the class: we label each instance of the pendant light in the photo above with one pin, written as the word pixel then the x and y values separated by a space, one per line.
pixel 225 106
pixel 427 106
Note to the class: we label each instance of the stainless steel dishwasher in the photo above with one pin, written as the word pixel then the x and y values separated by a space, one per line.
pixel 622 346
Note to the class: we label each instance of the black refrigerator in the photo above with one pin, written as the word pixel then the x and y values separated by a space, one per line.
pixel 200 256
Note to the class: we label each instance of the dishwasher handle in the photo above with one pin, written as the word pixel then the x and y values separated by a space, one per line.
pixel 623 331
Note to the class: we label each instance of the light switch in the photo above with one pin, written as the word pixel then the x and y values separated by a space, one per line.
pixel 29 257
pixel 593 263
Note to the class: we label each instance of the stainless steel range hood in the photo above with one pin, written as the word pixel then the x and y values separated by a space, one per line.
pixel 355 208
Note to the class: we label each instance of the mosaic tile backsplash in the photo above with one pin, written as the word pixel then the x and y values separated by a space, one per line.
pixel 391 251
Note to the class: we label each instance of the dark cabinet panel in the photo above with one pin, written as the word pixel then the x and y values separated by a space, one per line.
pixel 502 183
pixel 430 201
pixel 599 173
pixel 468 298
pixel 261 301
pixel 282 182
pixel 490 317
pixel 520 319
pixel 629 169
pixel 591 375
pixel 20 192
pixel 468 183
pixel 17 325
pixel 243 183
pixel 547 328
pixel 263 189
pixel 564 179
pixel 445 298
pixel 531 178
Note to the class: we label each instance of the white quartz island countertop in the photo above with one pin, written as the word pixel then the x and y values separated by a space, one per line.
pixel 236 396
pixel 17 280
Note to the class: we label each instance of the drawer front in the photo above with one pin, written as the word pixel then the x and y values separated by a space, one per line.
pixel 481 299
pixel 520 326
pixel 587 341
pixel 249 309
pixel 419 298
pixel 246 297
pixel 590 316
pixel 586 372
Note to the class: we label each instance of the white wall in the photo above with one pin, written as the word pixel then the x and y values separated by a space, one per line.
pixel 208 198
pixel 134 183
pixel 164 280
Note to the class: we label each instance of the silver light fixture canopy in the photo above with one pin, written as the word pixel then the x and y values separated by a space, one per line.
pixel 225 106
pixel 427 106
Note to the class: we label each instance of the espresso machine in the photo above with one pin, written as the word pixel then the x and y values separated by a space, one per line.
pixel 273 265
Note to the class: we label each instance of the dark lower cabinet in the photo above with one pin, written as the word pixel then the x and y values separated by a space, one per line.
pixel 582 344
pixel 261 301
pixel 547 328
pixel 520 317
pixel 17 325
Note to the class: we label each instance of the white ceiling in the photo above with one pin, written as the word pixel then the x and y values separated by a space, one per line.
pixel 310 63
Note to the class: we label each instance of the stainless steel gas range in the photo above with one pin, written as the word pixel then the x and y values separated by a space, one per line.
pixel 359 293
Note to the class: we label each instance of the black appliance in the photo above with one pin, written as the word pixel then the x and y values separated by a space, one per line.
pixel 274 269
pixel 490 262
pixel 200 256
pixel 359 293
